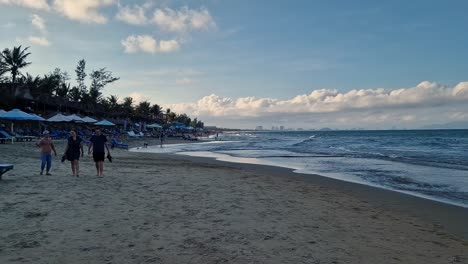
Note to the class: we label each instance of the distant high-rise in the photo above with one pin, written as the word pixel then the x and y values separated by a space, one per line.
pixel 259 128
pixel 281 128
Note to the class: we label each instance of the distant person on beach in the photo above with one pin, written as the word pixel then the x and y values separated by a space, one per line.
pixel 161 138
pixel 72 152
pixel 98 144
pixel 47 146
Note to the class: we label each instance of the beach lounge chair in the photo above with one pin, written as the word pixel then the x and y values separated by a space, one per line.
pixel 23 138
pixel 133 135
pixel 5 136
pixel 117 144
pixel 4 168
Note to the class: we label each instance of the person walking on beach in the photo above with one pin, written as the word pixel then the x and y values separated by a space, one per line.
pixel 47 146
pixel 161 138
pixel 72 152
pixel 98 144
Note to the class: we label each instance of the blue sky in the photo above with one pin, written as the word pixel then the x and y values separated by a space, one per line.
pixel 270 50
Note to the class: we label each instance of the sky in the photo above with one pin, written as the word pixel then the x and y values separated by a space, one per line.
pixel 242 64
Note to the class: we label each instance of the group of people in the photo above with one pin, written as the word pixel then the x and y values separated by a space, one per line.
pixel 74 150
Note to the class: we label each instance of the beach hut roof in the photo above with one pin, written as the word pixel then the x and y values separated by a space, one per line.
pixel 104 122
pixel 88 119
pixel 17 114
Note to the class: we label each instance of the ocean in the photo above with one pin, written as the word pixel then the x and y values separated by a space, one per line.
pixel 428 163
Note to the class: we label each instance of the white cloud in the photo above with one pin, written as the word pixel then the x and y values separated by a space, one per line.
pixel 38 22
pixel 323 101
pixel 146 43
pixel 138 97
pixel 132 15
pixel 86 11
pixel 35 4
pixel 184 19
pixel 40 41
pixel 168 45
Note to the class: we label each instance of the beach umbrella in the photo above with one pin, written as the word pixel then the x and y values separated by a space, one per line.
pixel 154 126
pixel 75 118
pixel 104 122
pixel 88 119
pixel 39 118
pixel 17 114
pixel 59 118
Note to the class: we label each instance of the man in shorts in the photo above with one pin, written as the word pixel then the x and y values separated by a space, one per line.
pixel 98 144
pixel 47 146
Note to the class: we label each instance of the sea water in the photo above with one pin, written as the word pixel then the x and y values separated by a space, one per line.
pixel 427 163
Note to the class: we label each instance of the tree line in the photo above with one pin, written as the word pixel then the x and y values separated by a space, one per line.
pixel 89 97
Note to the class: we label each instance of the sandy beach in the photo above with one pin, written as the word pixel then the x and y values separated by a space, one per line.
pixel 155 208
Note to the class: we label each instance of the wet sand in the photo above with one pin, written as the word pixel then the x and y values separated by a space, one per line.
pixel 154 208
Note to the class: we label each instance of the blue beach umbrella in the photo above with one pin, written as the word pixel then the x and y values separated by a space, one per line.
pixel 104 122
pixel 39 118
pixel 59 118
pixel 17 114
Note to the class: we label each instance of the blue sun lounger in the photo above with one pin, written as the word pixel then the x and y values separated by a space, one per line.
pixel 4 168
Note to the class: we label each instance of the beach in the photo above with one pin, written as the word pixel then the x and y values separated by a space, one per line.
pixel 165 208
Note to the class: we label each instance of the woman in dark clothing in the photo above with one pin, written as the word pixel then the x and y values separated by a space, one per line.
pixel 72 152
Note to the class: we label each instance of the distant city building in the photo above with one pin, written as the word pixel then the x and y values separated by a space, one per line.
pixel 281 128
pixel 300 129
pixel 259 128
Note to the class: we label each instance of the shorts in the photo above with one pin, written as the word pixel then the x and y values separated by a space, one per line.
pixel 98 156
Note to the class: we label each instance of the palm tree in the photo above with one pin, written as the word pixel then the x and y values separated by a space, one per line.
pixel 13 60
pixel 113 101
pixel 156 110
pixel 127 106
pixel 143 109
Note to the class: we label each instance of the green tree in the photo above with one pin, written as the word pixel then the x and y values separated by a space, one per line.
pixel 143 109
pixel 99 79
pixel 113 101
pixel 127 106
pixel 81 75
pixel 184 119
pixel 156 110
pixel 60 78
pixel 74 94
pixel 13 60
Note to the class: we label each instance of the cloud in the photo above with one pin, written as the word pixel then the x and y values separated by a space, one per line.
pixel 132 15
pixel 86 11
pixel 183 20
pixel 138 97
pixel 40 41
pixel 38 22
pixel 35 4
pixel 146 43
pixel 379 105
